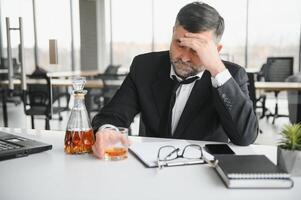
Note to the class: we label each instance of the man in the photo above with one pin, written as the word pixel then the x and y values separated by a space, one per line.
pixel 186 93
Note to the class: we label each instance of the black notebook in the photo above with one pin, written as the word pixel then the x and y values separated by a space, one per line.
pixel 251 171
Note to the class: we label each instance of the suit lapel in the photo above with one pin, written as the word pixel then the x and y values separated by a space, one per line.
pixel 199 95
pixel 161 90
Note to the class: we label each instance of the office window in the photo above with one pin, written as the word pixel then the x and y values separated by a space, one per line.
pixel 274 30
pixel 165 13
pixel 130 39
pixel 15 9
pixel 53 22
pixel 131 29
pixel 234 36
pixel 76 33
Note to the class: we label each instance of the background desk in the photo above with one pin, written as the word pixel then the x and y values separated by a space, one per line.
pixel 69 74
pixel 3 71
pixel 60 82
pixel 55 175
pixel 278 86
pixel 90 84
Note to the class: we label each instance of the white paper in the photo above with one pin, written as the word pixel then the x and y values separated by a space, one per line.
pixel 148 152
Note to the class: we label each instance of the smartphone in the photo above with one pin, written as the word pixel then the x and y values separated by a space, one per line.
pixel 218 149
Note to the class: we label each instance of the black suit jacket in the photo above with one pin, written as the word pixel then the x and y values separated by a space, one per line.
pixel 215 114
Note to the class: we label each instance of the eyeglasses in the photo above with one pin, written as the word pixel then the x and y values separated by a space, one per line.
pixel 191 152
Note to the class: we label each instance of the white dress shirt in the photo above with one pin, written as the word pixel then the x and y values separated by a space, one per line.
pixel 184 90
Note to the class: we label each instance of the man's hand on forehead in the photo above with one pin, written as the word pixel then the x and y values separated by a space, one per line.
pixel 206 49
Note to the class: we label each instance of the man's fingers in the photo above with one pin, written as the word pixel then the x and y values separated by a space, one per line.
pixel 124 140
pixel 100 145
pixel 105 139
pixel 184 40
pixel 193 35
pixel 96 152
pixel 203 36
pixel 190 43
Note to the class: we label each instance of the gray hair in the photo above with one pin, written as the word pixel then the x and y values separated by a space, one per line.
pixel 198 17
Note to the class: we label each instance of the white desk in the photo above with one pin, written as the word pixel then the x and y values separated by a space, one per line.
pixel 278 86
pixel 54 175
pixel 64 82
pixel 67 74
pixel 3 71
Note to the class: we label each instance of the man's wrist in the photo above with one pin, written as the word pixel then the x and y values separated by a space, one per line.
pixel 221 78
pixel 220 67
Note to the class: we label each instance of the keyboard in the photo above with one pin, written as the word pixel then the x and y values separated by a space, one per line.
pixel 5 146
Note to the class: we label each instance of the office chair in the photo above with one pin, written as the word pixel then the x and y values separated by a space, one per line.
pixel 277 69
pixel 15 95
pixel 38 100
pixel 251 88
pixel 252 92
pixel 112 69
pixel 111 83
pixel 262 97
pixel 294 100
pixel 16 65
pixel 96 99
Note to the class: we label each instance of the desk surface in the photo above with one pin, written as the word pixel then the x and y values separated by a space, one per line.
pixel 62 82
pixel 3 71
pixel 68 74
pixel 74 73
pixel 67 82
pixel 88 84
pixel 277 86
pixel 55 175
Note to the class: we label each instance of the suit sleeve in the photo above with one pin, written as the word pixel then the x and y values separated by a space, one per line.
pixel 236 109
pixel 122 108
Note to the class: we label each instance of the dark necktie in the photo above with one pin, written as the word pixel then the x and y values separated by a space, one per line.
pixel 174 94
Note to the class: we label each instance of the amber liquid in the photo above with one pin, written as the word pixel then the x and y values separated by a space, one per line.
pixel 116 153
pixel 77 142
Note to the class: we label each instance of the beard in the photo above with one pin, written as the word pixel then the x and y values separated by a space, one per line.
pixel 185 69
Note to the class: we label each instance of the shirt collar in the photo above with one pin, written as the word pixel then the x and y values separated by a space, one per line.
pixel 173 73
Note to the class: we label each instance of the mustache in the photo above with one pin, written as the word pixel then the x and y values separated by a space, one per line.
pixel 180 62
